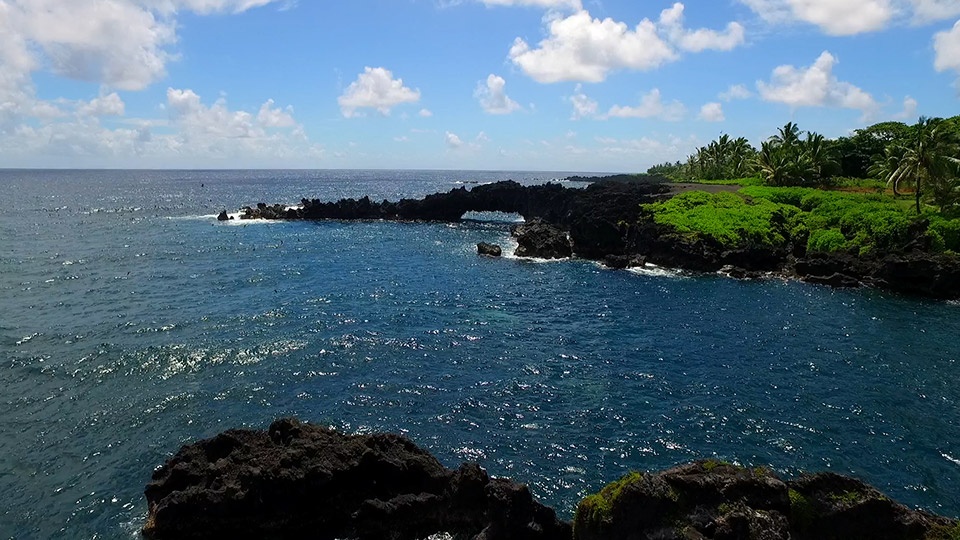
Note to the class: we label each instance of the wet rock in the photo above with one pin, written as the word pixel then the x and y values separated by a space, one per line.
pixel 303 481
pixel 541 240
pixel 223 216
pixel 838 280
pixel 490 250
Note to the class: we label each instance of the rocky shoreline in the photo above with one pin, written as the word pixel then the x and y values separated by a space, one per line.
pixel 605 222
pixel 298 480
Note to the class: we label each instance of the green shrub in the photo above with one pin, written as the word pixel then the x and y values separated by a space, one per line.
pixel 826 240
pixel 725 218
pixel 945 234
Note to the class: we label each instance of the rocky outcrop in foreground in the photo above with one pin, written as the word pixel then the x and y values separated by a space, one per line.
pixel 298 480
pixel 719 501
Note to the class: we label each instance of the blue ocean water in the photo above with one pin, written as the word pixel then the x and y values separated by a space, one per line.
pixel 131 322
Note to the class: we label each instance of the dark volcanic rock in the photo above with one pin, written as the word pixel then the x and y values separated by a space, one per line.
pixel 224 216
pixel 713 500
pixel 542 240
pixel 838 280
pixel 915 273
pixel 490 250
pixel 303 481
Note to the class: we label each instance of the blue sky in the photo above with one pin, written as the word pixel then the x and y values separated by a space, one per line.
pixel 582 85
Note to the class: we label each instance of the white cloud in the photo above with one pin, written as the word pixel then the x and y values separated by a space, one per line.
pixel 272 117
pixel 204 7
pixel 108 105
pixel 583 106
pixel 712 112
pixel 736 91
pixel 935 10
pixel 671 20
pixel 910 108
pixel 549 4
pixel 834 17
pixel 947 47
pixel 453 141
pixel 425 113
pixel 375 88
pixel 195 135
pixel 493 96
pixel 581 48
pixel 651 106
pixel 815 86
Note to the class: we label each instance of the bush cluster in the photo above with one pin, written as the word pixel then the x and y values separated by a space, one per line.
pixel 831 221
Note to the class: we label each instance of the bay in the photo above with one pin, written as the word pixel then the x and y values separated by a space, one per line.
pixel 132 322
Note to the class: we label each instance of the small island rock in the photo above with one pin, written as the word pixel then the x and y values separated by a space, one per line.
pixel 490 250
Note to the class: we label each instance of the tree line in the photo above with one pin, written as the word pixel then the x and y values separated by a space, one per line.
pixel 924 157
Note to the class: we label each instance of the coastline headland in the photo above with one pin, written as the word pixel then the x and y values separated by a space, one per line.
pixel 298 480
pixel 607 221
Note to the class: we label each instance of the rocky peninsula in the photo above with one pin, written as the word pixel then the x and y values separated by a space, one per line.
pixel 611 222
pixel 298 480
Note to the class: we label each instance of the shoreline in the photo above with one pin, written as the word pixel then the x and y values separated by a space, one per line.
pixel 605 222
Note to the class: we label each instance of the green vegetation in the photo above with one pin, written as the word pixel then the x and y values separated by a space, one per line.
pixel 802 513
pixel 596 509
pixel 830 221
pixel 924 158
pixel 942 532
pixel 725 218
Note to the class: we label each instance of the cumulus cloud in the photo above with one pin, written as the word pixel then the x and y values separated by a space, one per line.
pixel 651 106
pixel 493 96
pixel 815 86
pixel 583 106
pixel 671 21
pixel 108 105
pixel 848 17
pixel 453 140
pixel 935 10
pixel 375 88
pixel 582 48
pixel 194 135
pixel 425 113
pixel 736 91
pixel 274 117
pixel 712 112
pixel 947 47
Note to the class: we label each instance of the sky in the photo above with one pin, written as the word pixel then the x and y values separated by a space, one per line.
pixel 551 85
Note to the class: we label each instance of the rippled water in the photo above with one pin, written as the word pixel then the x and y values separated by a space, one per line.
pixel 132 322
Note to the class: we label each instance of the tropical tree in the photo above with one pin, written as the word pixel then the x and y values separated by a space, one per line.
pixel 928 157
pixel 787 158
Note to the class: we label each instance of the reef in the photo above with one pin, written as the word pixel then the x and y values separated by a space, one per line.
pixel 298 480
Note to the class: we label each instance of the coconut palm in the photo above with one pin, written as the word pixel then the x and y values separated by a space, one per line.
pixel 929 155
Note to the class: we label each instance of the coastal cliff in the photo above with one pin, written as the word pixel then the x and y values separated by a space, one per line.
pixel 298 480
pixel 613 222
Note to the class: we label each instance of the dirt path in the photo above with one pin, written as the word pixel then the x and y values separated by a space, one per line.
pixel 677 188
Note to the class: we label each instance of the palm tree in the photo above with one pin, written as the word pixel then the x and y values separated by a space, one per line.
pixel 820 155
pixel 788 135
pixel 928 156
pixel 773 163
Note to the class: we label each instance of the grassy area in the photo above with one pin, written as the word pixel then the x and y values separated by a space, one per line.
pixel 829 220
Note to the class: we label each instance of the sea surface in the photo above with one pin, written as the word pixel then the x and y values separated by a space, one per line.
pixel 132 322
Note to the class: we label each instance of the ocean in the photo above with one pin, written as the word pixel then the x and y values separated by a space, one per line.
pixel 132 322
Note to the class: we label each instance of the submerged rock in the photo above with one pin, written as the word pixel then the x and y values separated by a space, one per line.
pixel 303 481
pixel 490 250
pixel 715 500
